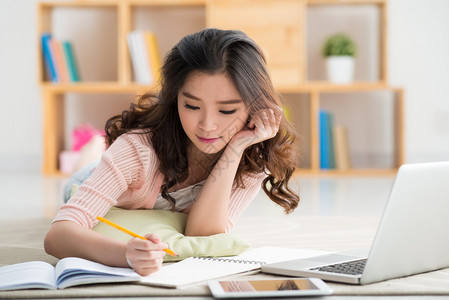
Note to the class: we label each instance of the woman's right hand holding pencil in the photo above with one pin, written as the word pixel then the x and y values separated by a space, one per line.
pixel 145 256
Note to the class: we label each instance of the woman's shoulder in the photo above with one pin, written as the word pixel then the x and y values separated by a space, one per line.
pixel 138 137
pixel 133 143
pixel 132 153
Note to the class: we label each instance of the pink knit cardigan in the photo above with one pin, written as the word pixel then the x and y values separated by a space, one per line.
pixel 128 177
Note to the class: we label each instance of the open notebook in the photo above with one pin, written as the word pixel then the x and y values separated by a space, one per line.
pixel 200 269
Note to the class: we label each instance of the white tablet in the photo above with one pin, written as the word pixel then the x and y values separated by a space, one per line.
pixel 269 288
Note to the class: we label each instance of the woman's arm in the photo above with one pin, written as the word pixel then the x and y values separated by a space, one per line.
pixel 81 242
pixel 121 169
pixel 210 213
pixel 144 256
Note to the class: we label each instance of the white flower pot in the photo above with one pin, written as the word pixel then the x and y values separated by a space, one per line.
pixel 340 69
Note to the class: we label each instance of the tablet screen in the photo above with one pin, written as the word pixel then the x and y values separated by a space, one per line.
pixel 267 285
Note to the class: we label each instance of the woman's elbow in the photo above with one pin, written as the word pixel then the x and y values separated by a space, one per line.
pixel 202 233
pixel 49 242
pixel 203 230
pixel 55 239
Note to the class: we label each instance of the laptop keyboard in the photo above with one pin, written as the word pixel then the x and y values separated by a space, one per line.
pixel 354 267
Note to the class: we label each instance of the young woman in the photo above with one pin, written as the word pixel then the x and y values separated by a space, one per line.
pixel 205 145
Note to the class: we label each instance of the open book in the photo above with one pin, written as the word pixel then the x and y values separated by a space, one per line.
pixel 68 272
pixel 73 271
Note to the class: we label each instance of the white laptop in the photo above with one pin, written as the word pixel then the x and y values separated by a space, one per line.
pixel 412 237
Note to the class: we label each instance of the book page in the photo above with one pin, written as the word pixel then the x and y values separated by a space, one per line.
pixel 194 270
pixel 33 274
pixel 72 271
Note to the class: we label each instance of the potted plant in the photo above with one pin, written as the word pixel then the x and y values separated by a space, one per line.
pixel 339 50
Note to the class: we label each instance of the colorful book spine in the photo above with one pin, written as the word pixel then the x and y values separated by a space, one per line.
pixel 139 58
pixel 342 157
pixel 60 64
pixel 71 62
pixel 48 57
pixel 144 62
pixel 327 147
pixel 153 54
pixel 132 47
pixel 324 140
pixel 330 126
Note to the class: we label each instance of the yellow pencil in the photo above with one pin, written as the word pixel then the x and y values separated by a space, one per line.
pixel 106 221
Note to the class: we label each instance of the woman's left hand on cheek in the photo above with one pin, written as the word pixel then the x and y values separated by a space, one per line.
pixel 262 126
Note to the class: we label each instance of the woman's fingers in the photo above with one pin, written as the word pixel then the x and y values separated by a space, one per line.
pixel 145 256
pixel 146 262
pixel 266 123
pixel 262 126
pixel 153 237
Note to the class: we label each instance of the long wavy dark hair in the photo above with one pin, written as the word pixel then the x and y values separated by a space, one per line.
pixel 213 51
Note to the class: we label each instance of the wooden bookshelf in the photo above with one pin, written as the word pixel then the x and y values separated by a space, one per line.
pixel 279 27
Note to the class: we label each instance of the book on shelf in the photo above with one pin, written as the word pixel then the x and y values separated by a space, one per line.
pixel 71 61
pixel 139 59
pixel 48 57
pixel 59 60
pixel 153 54
pixel 73 271
pixel 342 159
pixel 145 56
pixel 325 140
pixel 334 149
pixel 330 124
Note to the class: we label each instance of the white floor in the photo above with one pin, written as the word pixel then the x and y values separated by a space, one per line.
pixel 32 195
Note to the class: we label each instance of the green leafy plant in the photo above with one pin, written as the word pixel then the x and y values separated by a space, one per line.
pixel 339 45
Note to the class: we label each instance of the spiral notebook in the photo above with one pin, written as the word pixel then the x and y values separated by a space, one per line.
pixel 200 269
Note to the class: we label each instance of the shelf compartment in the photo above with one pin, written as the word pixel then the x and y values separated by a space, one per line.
pixel 96 59
pixel 363 21
pixel 281 36
pixel 155 17
pixel 351 109
pixel 59 120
